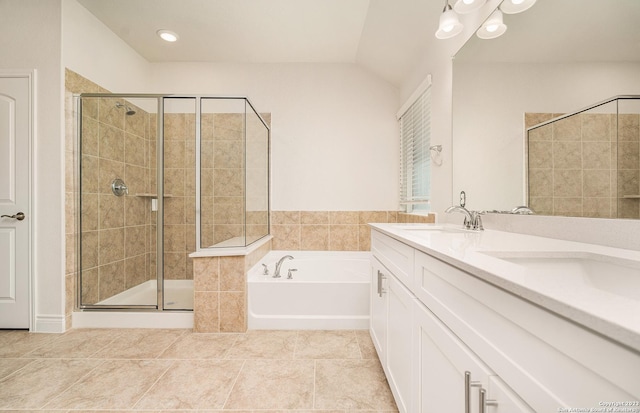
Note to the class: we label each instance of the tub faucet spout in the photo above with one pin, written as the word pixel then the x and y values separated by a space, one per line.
pixel 276 273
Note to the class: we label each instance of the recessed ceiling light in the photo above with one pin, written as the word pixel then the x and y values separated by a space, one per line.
pixel 167 35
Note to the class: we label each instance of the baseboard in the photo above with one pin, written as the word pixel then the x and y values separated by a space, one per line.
pixel 49 323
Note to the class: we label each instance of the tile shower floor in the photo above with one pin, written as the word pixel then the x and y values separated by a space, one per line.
pixel 154 370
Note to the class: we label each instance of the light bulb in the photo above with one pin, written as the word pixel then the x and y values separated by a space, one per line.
pixel 167 35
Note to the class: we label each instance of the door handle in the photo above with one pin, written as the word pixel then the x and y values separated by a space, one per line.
pixel 19 216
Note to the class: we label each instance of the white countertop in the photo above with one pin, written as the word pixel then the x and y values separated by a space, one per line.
pixel 613 314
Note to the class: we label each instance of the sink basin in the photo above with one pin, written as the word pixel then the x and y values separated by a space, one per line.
pixel 578 270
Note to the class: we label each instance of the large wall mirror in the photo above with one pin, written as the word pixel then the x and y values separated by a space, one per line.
pixel 555 58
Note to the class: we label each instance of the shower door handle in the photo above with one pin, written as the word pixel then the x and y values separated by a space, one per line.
pixel 19 216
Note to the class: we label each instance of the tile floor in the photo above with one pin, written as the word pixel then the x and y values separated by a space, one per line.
pixel 177 370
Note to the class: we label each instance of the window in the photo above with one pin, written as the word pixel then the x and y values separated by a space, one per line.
pixel 415 161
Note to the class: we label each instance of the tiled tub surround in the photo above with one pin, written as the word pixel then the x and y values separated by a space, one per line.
pixel 220 291
pixel 331 230
pixel 220 302
pixel 584 165
pixel 176 370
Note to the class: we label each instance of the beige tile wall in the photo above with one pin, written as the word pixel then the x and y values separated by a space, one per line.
pixel 220 300
pixel 577 166
pixel 628 165
pixel 331 230
pixel 180 188
pixel 222 186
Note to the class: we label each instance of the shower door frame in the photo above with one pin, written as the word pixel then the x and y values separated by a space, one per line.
pixel 160 204
pixel 159 307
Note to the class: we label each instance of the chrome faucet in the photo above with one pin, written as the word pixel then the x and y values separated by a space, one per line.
pixel 525 210
pixel 462 210
pixel 276 273
pixel 472 219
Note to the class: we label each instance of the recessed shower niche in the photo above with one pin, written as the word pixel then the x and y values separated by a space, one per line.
pixel 160 177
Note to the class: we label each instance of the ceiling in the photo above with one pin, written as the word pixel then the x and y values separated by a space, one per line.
pixel 385 37
pixel 565 31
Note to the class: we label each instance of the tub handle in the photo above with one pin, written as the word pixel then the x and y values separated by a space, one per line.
pixel 265 270
pixel 381 277
pixel 289 275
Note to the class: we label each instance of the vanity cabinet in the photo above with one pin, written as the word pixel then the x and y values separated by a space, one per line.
pixel 379 309
pixel 392 308
pixel 451 377
pixel 431 330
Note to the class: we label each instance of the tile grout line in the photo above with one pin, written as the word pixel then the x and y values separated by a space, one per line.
pixel 315 372
pixel 235 381
pixel 133 407
pixel 10 375
pixel 80 380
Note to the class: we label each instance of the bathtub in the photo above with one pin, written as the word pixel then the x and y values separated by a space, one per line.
pixel 329 291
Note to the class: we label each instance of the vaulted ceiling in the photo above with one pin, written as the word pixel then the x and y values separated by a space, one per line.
pixel 384 36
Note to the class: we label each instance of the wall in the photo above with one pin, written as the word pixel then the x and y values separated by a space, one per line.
pixel 437 61
pixel 334 133
pixel 96 53
pixel 31 33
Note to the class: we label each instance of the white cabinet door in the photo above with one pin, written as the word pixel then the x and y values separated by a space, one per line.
pixel 443 361
pixel 502 399
pixel 378 318
pixel 400 328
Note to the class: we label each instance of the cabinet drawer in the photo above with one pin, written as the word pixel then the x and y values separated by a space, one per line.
pixel 551 362
pixel 394 255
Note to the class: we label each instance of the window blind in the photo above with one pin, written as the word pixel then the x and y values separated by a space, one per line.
pixel 415 161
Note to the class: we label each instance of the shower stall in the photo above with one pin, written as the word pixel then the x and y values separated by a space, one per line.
pixel 161 177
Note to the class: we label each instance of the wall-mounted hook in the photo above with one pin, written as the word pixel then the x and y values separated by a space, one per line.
pixel 436 154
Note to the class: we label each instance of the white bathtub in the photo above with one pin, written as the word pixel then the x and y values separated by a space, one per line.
pixel 329 291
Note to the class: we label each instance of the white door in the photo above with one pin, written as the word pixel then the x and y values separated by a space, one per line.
pixel 15 136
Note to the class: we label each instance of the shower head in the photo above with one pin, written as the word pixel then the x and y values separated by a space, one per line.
pixel 129 110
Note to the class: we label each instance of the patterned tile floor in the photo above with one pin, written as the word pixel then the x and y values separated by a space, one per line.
pixel 177 370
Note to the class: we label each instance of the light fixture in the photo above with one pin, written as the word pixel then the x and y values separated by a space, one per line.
pixel 167 35
pixel 493 27
pixel 516 6
pixel 450 25
pixel 468 6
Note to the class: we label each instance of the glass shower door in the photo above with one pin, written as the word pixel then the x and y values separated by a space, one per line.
pixel 179 208
pixel 117 186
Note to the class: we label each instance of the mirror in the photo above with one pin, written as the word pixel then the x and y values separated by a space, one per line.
pixel 558 57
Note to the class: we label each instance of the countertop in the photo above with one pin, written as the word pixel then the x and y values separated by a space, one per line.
pixel 611 312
